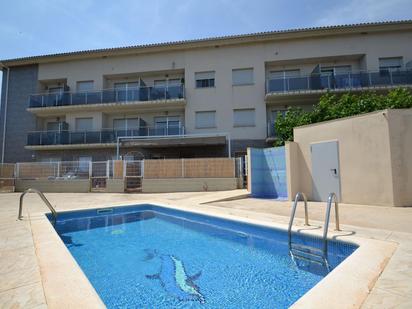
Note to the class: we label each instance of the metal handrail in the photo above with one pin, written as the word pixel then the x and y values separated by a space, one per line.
pixel 107 89
pixel 67 137
pixel 298 196
pixel 109 129
pixel 344 80
pixel 45 200
pixel 135 94
pixel 332 197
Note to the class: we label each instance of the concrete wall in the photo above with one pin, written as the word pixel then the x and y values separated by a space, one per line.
pixel 188 184
pixel 400 135
pixel 373 151
pixel 114 186
pixel 292 169
pixel 54 186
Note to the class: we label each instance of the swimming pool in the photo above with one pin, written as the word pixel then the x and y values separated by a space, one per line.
pixel 147 256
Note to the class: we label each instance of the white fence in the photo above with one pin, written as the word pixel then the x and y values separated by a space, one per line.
pixel 131 172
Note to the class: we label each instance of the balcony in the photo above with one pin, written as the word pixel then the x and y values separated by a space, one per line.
pixel 107 96
pixel 347 81
pixel 103 138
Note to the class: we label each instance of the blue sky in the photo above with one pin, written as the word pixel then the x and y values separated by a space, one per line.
pixel 34 27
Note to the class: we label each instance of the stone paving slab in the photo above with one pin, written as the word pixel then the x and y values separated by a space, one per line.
pixel 393 289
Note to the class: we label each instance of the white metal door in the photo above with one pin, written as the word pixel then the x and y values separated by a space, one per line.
pixel 325 170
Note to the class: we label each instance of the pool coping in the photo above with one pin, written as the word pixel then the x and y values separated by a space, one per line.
pixel 347 286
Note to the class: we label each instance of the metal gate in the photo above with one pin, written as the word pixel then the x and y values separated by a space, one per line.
pixel 133 175
pixel 99 173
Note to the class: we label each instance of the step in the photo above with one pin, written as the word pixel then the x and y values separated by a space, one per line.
pixel 296 255
pixel 307 249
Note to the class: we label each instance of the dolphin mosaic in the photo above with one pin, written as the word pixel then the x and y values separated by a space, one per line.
pixel 176 281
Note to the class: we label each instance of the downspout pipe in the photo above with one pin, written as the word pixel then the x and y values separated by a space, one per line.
pixel 6 96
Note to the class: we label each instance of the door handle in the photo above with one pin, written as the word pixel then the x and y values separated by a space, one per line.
pixel 334 171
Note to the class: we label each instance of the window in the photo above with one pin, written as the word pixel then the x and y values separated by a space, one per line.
pixel 55 90
pixel 167 121
pixel 242 77
pixel 84 86
pixel 390 64
pixel 244 117
pixel 276 112
pixel 50 160
pixel 167 125
pixel 336 70
pixel 205 79
pixel 159 83
pixel 205 119
pixel 84 124
pixel 126 85
pixel 174 82
pixel 126 123
pixel 53 126
pixel 284 74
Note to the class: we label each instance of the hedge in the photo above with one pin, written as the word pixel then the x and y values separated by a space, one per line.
pixel 332 106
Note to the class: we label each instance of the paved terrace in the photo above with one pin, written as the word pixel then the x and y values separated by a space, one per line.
pixel 20 275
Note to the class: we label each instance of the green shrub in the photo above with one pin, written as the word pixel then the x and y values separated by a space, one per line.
pixel 332 106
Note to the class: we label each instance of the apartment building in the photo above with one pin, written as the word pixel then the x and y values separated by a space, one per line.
pixel 197 98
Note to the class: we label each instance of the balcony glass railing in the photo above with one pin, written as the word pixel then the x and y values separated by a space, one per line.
pixel 39 138
pixel 340 81
pixel 107 96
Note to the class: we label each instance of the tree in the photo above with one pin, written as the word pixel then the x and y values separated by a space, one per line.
pixel 332 106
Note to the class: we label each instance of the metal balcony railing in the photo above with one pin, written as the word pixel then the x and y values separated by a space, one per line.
pixel 41 138
pixel 339 81
pixel 67 98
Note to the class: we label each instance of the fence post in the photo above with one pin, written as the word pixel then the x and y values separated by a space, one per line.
pixel 17 170
pixel 58 168
pixel 234 167
pixel 124 169
pixel 142 168
pixel 90 169
pixel 183 168
pixel 107 169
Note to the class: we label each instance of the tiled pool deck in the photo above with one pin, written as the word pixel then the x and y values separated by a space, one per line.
pixel 22 280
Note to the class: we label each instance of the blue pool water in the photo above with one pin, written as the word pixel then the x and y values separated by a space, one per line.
pixel 148 256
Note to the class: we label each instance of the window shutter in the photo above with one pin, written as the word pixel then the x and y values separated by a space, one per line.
pixel 205 119
pixel 242 76
pixel 244 117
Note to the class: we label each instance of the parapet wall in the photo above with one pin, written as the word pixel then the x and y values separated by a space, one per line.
pixel 188 184
pixel 54 186
pixel 375 152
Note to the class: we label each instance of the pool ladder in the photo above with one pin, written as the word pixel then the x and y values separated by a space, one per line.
pixel 45 200
pixel 311 253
